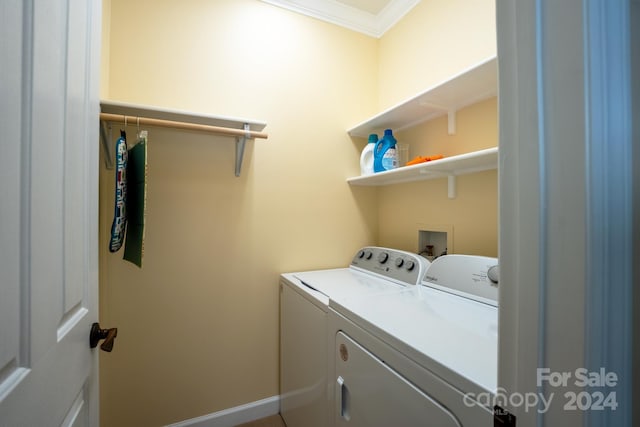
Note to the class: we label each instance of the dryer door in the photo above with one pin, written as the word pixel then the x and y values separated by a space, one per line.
pixel 370 394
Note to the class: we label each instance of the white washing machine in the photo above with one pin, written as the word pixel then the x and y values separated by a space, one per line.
pixel 414 353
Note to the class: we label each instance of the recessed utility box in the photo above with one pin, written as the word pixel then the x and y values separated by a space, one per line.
pixel 434 241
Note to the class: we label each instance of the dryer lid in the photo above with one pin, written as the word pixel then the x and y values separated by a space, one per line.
pixel 344 283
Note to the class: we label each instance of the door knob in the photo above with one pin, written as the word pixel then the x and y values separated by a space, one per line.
pixel 97 334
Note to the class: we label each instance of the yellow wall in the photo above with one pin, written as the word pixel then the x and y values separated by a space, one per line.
pixel 198 325
pixel 105 51
pixel 473 214
pixel 437 39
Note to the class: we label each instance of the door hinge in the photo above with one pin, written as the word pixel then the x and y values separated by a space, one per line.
pixel 503 418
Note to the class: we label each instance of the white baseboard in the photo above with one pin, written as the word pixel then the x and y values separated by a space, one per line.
pixel 233 416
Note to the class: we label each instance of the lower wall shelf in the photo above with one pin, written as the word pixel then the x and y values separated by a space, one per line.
pixel 476 161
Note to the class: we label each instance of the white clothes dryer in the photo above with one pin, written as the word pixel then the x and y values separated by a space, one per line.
pixel 306 395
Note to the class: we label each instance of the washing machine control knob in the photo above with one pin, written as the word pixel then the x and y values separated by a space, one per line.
pixel 395 264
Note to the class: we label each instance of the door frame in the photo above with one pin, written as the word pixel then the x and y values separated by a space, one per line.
pixel 566 201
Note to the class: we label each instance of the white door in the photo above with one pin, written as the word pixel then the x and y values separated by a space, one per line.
pixel 370 394
pixel 49 64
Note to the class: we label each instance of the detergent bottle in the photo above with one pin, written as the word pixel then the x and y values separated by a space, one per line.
pixel 384 153
pixel 366 158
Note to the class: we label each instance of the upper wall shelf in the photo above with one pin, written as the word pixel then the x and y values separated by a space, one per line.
pixel 470 86
pixel 242 129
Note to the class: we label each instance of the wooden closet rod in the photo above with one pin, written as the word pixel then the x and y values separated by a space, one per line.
pixel 135 120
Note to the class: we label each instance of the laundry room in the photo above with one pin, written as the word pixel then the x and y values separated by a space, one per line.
pixel 198 321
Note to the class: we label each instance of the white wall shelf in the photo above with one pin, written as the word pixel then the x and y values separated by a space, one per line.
pixel 476 161
pixel 135 115
pixel 470 86
pixel 473 85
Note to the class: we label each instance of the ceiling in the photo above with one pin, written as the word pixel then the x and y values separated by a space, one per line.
pixel 371 17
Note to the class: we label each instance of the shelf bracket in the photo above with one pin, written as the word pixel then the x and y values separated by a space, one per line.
pixel 451 186
pixel 451 114
pixel 107 146
pixel 240 144
pixel 451 118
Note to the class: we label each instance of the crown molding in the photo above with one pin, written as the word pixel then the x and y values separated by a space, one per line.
pixel 350 17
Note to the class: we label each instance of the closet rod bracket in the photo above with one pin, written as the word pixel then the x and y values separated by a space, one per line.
pixel 107 146
pixel 240 144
